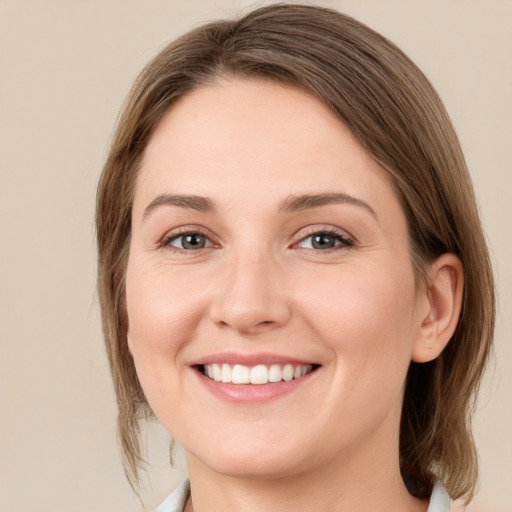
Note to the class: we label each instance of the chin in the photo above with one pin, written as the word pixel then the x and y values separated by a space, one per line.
pixel 251 461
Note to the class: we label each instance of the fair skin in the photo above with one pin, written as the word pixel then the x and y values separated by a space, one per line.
pixel 263 235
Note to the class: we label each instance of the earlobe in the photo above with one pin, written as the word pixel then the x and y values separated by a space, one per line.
pixel 129 339
pixel 443 297
pixel 129 343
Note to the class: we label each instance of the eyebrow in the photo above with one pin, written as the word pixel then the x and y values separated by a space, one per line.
pixel 307 201
pixel 291 204
pixel 191 202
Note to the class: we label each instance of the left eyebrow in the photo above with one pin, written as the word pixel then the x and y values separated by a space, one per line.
pixel 306 201
pixel 198 203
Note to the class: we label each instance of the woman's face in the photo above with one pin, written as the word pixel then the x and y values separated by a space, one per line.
pixel 268 246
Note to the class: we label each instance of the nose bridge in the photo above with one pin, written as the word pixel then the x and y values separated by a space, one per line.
pixel 252 296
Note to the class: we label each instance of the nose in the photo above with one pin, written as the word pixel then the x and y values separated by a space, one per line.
pixel 252 296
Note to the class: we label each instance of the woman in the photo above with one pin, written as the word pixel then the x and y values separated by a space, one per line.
pixel 292 271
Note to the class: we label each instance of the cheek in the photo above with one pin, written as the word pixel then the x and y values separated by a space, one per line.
pixel 163 313
pixel 161 310
pixel 367 318
pixel 157 320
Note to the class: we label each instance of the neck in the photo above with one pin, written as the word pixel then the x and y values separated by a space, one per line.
pixel 346 483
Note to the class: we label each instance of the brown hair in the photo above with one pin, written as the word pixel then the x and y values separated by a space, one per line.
pixel 396 115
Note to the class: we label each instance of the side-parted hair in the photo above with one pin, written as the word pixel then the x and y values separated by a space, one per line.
pixel 398 118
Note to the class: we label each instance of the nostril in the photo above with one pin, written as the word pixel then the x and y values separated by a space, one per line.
pixel 260 326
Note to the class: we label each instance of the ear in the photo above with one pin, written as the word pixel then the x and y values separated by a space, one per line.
pixel 129 342
pixel 443 300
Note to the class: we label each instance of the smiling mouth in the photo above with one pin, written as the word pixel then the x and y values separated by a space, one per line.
pixel 259 374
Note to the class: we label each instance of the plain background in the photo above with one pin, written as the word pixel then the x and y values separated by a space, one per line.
pixel 65 68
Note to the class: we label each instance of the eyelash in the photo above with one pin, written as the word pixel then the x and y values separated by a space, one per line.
pixel 339 236
pixel 345 241
pixel 166 241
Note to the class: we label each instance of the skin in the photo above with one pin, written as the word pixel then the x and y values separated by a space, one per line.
pixel 259 286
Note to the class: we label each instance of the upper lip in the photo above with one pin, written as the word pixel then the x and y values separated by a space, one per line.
pixel 249 359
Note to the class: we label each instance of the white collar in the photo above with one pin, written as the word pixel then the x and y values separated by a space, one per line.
pixel 439 500
pixel 175 502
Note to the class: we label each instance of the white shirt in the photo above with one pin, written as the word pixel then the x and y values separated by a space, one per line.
pixel 175 502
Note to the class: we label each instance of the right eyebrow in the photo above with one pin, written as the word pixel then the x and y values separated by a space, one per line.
pixel 198 203
pixel 304 202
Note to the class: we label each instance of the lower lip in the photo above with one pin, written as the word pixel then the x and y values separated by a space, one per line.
pixel 252 392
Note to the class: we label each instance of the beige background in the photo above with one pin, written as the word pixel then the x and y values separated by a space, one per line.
pixel 65 67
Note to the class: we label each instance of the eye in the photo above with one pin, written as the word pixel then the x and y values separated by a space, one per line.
pixel 325 240
pixel 191 241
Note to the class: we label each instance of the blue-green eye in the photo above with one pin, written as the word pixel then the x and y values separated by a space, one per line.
pixel 324 241
pixel 189 241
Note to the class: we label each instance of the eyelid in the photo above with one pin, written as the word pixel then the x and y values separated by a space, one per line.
pixel 173 234
pixel 347 239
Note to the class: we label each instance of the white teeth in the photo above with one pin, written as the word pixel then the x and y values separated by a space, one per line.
pixel 275 374
pixel 226 373
pixel 240 375
pixel 259 374
pixel 288 373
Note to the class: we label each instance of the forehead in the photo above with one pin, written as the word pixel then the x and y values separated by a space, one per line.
pixel 255 140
